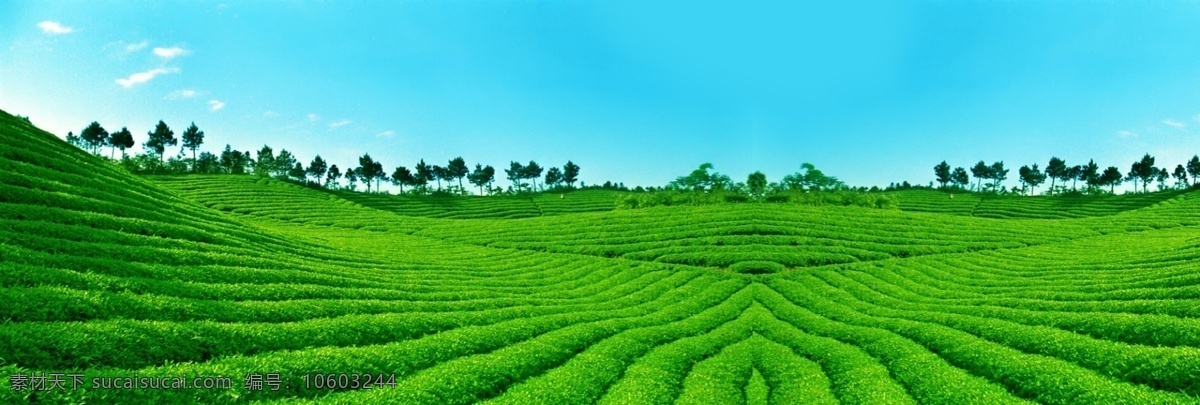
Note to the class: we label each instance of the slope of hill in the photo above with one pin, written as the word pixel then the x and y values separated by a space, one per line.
pixel 1044 207
pixel 488 207
pixel 114 276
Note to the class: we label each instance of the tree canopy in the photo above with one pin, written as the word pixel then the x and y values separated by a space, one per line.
pixel 159 139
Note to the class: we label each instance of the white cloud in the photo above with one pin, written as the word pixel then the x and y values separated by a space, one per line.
pixel 215 104
pixel 313 118
pixel 181 94
pixel 168 53
pixel 385 134
pixel 1127 134
pixel 53 27
pixel 120 48
pixel 142 77
pixel 136 47
pixel 1173 123
pixel 340 124
pixel 270 114
pixel 1197 117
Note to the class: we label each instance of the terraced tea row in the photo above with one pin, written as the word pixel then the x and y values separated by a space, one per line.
pixel 235 275
pixel 1046 207
pixel 471 207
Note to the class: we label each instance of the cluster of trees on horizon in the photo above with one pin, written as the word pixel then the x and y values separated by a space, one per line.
pixel 319 173
pixel 526 177
pixel 1142 171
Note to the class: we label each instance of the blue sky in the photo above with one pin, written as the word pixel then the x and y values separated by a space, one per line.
pixel 871 92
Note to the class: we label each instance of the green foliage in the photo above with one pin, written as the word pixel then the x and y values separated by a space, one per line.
pixel 93 137
pixel 122 140
pixel 558 298
pixel 159 139
pixel 811 179
pixel 369 171
pixel 756 184
pixel 317 168
pixel 701 180
pixel 822 198
pixel 571 173
pixel 942 172
pixel 757 267
pixel 192 138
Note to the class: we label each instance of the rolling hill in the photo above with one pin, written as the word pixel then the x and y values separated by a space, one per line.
pixel 561 299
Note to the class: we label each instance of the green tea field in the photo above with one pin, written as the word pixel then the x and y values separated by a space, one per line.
pixel 343 297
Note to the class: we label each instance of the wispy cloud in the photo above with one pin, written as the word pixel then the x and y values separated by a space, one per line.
pixel 168 53
pixel 214 105
pixel 386 134
pixel 313 118
pixel 1173 123
pixel 142 77
pixel 119 48
pixel 1127 134
pixel 340 124
pixel 54 28
pixel 181 94
pixel 136 47
pixel 270 114
pixel 1197 117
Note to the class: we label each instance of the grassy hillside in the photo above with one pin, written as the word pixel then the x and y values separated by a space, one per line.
pixel 1044 207
pixel 561 300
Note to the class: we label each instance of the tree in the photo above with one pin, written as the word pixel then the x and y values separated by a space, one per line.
pixel 192 138
pixel 1031 177
pixel 94 137
pixel 515 172
pixel 352 178
pixel 698 180
pixel 553 177
pixel 284 163
pixel 369 170
pixel 74 140
pixel 331 178
pixel 1112 178
pixel 423 175
pixel 1024 174
pixel 1145 171
pixel 296 172
pixel 1057 169
pixel 401 177
pixel 1162 177
pixel 457 169
pixel 234 162
pixel 317 168
pixel 998 174
pixel 1193 167
pixel 1090 174
pixel 570 173
pixel 756 184
pixel 481 176
pixel 159 139
pixel 959 177
pixel 1073 173
pixel 265 164
pixel 942 172
pixel 810 179
pixel 1181 176
pixel 1134 169
pixel 207 163
pixel 439 173
pixel 122 140
pixel 981 171
pixel 532 171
